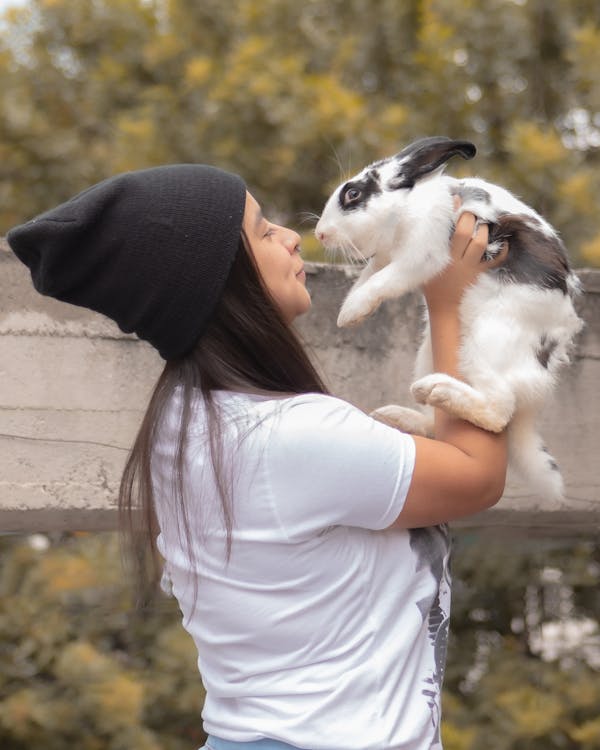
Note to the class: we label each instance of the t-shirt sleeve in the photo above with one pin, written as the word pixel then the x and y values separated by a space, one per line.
pixel 330 464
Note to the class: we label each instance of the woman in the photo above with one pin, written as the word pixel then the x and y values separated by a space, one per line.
pixel 304 540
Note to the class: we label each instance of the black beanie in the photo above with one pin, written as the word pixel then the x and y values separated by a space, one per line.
pixel 150 249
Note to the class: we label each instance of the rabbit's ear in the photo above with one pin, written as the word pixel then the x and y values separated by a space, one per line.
pixel 425 156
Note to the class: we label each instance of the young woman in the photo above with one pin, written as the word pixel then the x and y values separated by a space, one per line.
pixel 304 541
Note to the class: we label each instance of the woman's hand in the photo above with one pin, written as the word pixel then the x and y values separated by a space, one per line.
pixel 467 246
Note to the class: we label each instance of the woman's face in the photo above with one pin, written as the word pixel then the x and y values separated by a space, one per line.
pixel 277 254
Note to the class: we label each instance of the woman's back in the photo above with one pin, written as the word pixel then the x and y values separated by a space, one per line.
pixel 318 612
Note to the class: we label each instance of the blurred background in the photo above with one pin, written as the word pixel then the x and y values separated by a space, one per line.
pixel 295 96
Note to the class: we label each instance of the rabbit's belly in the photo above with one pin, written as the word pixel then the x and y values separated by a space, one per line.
pixel 517 374
pixel 516 335
pixel 515 314
pixel 498 348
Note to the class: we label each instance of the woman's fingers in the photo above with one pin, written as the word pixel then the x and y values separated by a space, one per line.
pixel 470 241
pixel 470 238
pixel 467 248
pixel 463 233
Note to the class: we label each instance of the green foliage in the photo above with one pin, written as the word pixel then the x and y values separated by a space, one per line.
pixel 78 668
pixel 293 94
pixel 501 693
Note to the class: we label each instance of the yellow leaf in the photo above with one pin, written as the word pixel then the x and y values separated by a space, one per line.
pixel 457 738
pixel 162 49
pixel 587 40
pixel 533 712
pixel 198 70
pixel 110 69
pixel 175 645
pixel 312 249
pixel 584 692
pixel 334 103
pixel 578 189
pixel 80 662
pixel 120 698
pixel 536 147
pixel 590 251
pixel 17 711
pixel 588 733
pixel 67 573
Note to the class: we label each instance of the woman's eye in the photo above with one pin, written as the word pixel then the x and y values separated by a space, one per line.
pixel 269 233
pixel 351 195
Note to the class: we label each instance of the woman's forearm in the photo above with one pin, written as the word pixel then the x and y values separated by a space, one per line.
pixel 487 448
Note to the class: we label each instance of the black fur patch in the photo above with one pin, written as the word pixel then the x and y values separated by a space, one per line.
pixel 470 192
pixel 426 156
pixel 551 462
pixel 546 347
pixel 533 256
pixel 367 187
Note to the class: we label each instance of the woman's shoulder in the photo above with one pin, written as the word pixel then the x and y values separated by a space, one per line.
pixel 280 403
pixel 295 415
pixel 309 409
pixel 244 411
pixel 320 406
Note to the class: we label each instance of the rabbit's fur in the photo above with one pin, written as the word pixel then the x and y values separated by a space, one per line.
pixel 518 321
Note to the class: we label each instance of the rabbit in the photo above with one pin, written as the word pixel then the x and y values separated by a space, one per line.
pixel 518 320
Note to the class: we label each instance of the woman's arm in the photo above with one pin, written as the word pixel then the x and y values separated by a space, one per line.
pixel 463 469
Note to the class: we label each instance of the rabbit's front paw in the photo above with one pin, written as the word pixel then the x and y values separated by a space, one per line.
pixel 357 306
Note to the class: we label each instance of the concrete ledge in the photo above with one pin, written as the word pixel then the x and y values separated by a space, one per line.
pixel 73 390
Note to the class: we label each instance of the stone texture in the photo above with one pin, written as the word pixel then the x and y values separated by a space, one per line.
pixel 74 390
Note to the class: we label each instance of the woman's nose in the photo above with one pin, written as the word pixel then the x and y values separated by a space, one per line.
pixel 292 242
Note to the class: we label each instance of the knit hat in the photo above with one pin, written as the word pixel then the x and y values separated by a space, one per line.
pixel 150 249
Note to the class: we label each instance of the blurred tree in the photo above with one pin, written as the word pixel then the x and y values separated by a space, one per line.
pixel 79 669
pixel 512 682
pixel 291 94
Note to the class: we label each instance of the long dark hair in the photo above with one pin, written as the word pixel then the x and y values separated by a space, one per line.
pixel 247 346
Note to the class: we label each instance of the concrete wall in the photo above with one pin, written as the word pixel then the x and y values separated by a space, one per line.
pixel 73 389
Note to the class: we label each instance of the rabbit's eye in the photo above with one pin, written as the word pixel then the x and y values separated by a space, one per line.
pixel 351 195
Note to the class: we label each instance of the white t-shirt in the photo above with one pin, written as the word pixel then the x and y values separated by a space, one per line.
pixel 325 629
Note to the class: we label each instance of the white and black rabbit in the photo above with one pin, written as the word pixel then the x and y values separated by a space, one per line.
pixel 518 320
